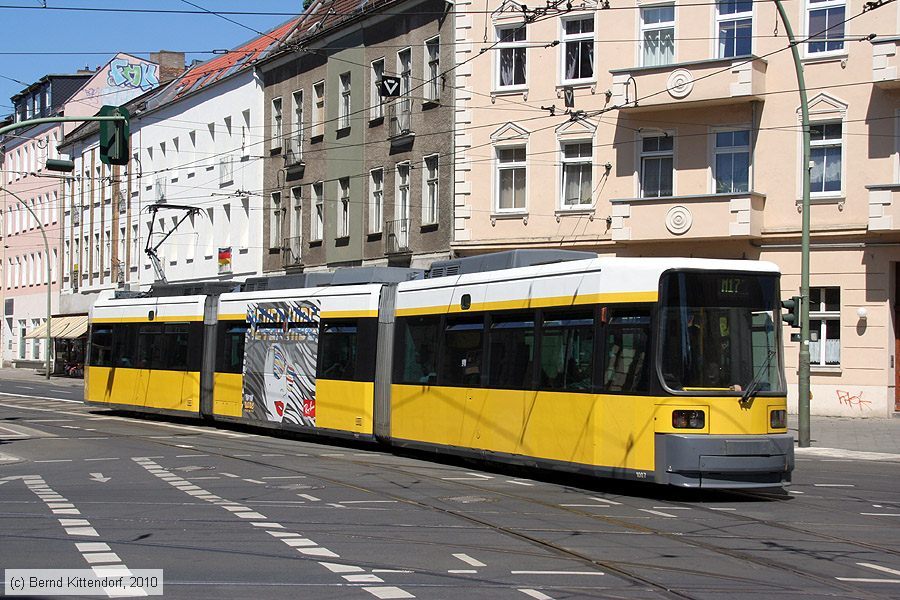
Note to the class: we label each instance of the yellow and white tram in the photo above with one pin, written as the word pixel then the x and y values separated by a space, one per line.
pixel 664 370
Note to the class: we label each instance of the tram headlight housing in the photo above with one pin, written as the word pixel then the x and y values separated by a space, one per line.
pixel 688 419
pixel 778 419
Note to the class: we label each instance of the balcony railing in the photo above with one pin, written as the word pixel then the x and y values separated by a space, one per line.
pixel 399 114
pixel 396 236
pixel 293 154
pixel 290 251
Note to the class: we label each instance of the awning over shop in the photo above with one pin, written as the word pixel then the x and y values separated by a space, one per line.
pixel 61 328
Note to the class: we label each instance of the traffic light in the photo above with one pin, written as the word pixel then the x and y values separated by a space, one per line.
pixel 114 136
pixel 793 308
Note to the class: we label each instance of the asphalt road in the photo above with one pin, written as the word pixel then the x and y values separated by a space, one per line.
pixel 229 513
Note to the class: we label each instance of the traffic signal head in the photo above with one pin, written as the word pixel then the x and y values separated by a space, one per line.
pixel 114 136
pixel 792 308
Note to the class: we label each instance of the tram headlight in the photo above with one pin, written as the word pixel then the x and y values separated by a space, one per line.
pixel 688 419
pixel 778 419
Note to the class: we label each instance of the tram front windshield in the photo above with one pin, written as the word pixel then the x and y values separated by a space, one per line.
pixel 720 333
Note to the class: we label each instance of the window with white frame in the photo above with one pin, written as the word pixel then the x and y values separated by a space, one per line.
pixel 376 105
pixel 511 57
pixel 657 35
pixel 275 221
pixel 277 130
pixel 344 207
pixel 317 226
pixel 734 21
pixel 318 113
pixel 402 204
pixel 296 225
pixel 577 167
pixel 657 164
pixel 296 145
pixel 344 107
pixel 578 49
pixel 433 69
pixel 825 26
pixel 376 200
pixel 732 161
pixel 825 155
pixel 825 326
pixel 430 190
pixel 511 179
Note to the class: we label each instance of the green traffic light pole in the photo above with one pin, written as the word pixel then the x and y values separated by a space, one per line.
pixel 33 122
pixel 803 368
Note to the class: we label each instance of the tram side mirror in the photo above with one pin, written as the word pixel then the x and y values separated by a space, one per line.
pixel 604 316
pixel 465 302
pixel 151 315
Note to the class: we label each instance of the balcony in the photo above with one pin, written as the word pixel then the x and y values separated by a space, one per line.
pixel 293 155
pixel 399 114
pixel 691 84
pixel 885 63
pixel 884 207
pixel 700 217
pixel 290 252
pixel 396 236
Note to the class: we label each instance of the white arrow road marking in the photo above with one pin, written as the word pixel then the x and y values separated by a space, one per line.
pixel 99 477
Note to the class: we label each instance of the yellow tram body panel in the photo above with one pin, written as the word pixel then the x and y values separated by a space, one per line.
pixel 345 405
pixel 160 390
pixel 228 394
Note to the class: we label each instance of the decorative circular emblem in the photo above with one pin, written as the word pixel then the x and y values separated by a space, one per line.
pixel 680 83
pixel 679 220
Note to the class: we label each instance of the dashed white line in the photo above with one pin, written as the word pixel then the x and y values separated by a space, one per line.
pixel 469 560
pixel 462 571
pixel 255 481
pixel 520 482
pixel 867 514
pixel 339 568
pixel 286 477
pixel 310 498
pixel 879 568
pixel 99 459
pixel 612 502
pixel 867 580
pixel 58 460
pixel 556 573
pixel 388 593
pixel 368 502
pixel 834 485
pixel 658 513
pixel 535 594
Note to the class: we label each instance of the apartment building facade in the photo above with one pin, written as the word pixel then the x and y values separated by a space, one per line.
pixel 672 128
pixel 354 177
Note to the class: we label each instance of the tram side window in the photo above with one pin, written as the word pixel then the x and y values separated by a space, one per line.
pixel 463 348
pixel 232 337
pixel 150 348
pixel 511 342
pixel 176 354
pixel 338 346
pixel 101 346
pixel 416 350
pixel 627 367
pixel 567 351
pixel 126 345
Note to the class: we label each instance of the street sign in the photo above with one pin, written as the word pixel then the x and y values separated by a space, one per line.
pixel 390 86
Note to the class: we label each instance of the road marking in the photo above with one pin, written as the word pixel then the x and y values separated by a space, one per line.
pixel 867 580
pixel 388 593
pixel 270 525
pixel 672 507
pixel 519 482
pixel 612 502
pixel 310 498
pixel 795 492
pixel 556 572
pixel 318 552
pixel 255 481
pixel 97 459
pixel 339 568
pixel 585 505
pixel 879 568
pixel 835 485
pixel 469 560
pixel 366 578
pixel 720 508
pixel 92 547
pixel 298 542
pixel 847 454
pixel 368 502
pixel 101 557
pixel 657 512
pixel 881 514
pixel 270 455
pixel 336 505
pixel 232 475
pixel 392 571
pixel 536 594
pixel 331 454
pixel 49 420
pixel 54 461
pixel 461 571
pixel 286 477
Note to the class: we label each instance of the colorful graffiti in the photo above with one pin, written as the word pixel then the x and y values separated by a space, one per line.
pixel 852 400
pixel 123 73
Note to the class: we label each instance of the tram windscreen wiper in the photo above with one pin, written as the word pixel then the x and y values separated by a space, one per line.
pixel 754 384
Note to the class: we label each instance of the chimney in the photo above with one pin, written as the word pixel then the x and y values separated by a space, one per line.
pixel 171 64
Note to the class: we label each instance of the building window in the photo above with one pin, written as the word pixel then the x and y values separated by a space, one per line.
pixel 344 108
pixel 344 223
pixel 825 154
pixel 732 162
pixel 430 190
pixel 511 178
pixel 376 110
pixel 658 35
pixel 318 115
pixel 275 221
pixel 825 326
pixel 277 131
pixel 825 26
pixel 734 19
pixel 296 226
pixel 511 57
pixel 578 49
pixel 376 200
pixel 576 180
pixel 296 144
pixel 317 227
pixel 433 69
pixel 402 204
pixel 657 162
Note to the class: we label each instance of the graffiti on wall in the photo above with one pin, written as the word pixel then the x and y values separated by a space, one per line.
pixel 852 400
pixel 123 73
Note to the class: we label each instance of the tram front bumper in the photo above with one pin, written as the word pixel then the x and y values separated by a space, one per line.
pixel 724 461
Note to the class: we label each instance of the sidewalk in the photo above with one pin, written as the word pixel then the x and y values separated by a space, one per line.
pixel 29 375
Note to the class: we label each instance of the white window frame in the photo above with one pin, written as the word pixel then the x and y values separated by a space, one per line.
pixel 838 34
pixel 432 69
pixel 654 154
pixel 577 38
pixel 277 123
pixel 376 103
pixel 514 166
pixel 829 319
pixel 296 224
pixel 317 214
pixel 652 27
pixel 376 200
pixel 723 18
pixel 296 138
pixel 403 197
pixel 576 161
pixel 430 189
pixel 829 143
pixel 717 150
pixel 317 123
pixel 275 220
pixel 344 107
pixel 515 48
pixel 343 229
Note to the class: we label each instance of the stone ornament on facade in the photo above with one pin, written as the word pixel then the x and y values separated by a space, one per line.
pixel 679 220
pixel 680 83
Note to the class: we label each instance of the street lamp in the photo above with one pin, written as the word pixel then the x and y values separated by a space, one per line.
pixel 49 266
